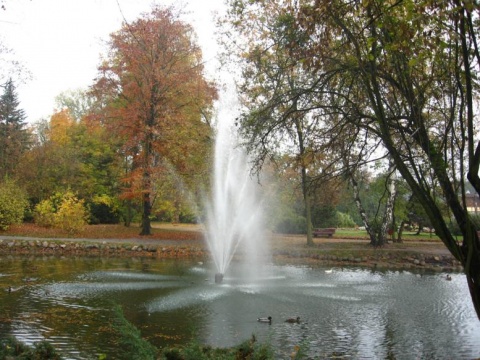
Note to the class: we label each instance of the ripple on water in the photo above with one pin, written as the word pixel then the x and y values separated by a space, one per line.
pixel 122 275
pixel 352 313
pixel 27 331
pixel 80 289
pixel 198 270
pixel 331 295
pixel 317 285
pixel 185 298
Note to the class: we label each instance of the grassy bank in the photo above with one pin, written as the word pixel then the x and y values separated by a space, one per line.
pixel 348 247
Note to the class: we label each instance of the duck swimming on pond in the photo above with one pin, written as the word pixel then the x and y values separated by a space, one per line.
pixel 265 319
pixel 11 289
pixel 293 320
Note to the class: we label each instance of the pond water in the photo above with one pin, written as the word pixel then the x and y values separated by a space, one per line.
pixel 349 313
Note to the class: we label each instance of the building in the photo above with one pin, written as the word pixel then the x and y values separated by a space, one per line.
pixel 473 202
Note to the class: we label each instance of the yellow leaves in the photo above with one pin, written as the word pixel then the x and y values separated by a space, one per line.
pixel 65 212
pixel 60 123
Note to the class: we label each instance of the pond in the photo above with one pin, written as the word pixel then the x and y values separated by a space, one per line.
pixel 349 312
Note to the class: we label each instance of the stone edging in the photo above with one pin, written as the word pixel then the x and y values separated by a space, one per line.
pixel 103 248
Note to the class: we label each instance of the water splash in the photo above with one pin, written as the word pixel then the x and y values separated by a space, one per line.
pixel 234 212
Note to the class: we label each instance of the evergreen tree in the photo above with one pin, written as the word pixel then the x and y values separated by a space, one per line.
pixel 14 137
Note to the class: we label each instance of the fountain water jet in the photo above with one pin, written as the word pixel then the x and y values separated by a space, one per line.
pixel 234 211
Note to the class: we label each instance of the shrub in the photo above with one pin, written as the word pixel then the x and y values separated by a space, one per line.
pixel 13 202
pixel 44 214
pixel 324 216
pixel 65 212
pixel 344 220
pixel 71 215
pixel 104 210
pixel 291 224
pixel 187 217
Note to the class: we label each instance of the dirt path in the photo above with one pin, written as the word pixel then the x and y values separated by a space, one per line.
pixel 284 248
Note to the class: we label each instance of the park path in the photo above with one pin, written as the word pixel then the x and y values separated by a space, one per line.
pixel 275 241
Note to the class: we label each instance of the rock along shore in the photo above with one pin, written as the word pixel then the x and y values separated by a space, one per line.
pixel 84 247
pixel 382 261
pixel 384 258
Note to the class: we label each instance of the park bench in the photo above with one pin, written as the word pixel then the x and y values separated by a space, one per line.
pixel 326 232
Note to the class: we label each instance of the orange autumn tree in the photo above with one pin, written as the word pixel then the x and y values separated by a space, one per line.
pixel 153 92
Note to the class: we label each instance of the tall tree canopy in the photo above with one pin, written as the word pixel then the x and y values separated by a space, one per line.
pixel 277 118
pixel 402 73
pixel 69 156
pixel 14 137
pixel 154 94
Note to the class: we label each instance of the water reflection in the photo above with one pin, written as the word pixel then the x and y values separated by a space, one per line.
pixel 344 312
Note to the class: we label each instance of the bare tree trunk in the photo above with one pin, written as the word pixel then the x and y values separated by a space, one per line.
pixel 127 217
pixel 305 183
pixel 363 214
pixel 146 226
pixel 400 232
pixel 388 216
pixel 308 207
pixel 146 184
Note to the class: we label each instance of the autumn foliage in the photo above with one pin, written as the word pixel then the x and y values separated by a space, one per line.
pixel 62 211
pixel 13 203
pixel 154 93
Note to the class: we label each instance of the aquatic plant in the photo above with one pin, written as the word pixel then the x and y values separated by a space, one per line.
pixel 131 343
pixel 11 348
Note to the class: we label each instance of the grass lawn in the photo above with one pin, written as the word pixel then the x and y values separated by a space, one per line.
pixel 406 235
pixel 168 231
pixel 103 231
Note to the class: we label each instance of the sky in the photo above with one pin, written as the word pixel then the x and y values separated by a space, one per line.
pixel 60 42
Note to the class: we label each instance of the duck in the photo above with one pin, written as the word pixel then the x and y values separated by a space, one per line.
pixel 448 277
pixel 11 289
pixel 265 319
pixel 293 320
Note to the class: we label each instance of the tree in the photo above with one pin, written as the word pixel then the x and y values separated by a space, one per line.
pixel 51 164
pixel 70 155
pixel 154 93
pixel 414 63
pixel 78 102
pixel 399 74
pixel 277 119
pixel 14 138
pixel 13 203
pixel 378 220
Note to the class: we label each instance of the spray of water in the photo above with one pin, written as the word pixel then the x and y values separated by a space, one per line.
pixel 234 211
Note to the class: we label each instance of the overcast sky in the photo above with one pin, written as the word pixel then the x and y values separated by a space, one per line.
pixel 60 41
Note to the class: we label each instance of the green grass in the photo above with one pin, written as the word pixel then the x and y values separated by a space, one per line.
pixel 406 235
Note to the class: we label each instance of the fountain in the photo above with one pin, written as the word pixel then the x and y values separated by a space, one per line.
pixel 234 211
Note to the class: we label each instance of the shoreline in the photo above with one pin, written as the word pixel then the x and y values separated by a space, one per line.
pixel 284 249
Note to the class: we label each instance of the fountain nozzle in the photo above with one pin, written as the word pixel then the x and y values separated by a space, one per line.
pixel 218 278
